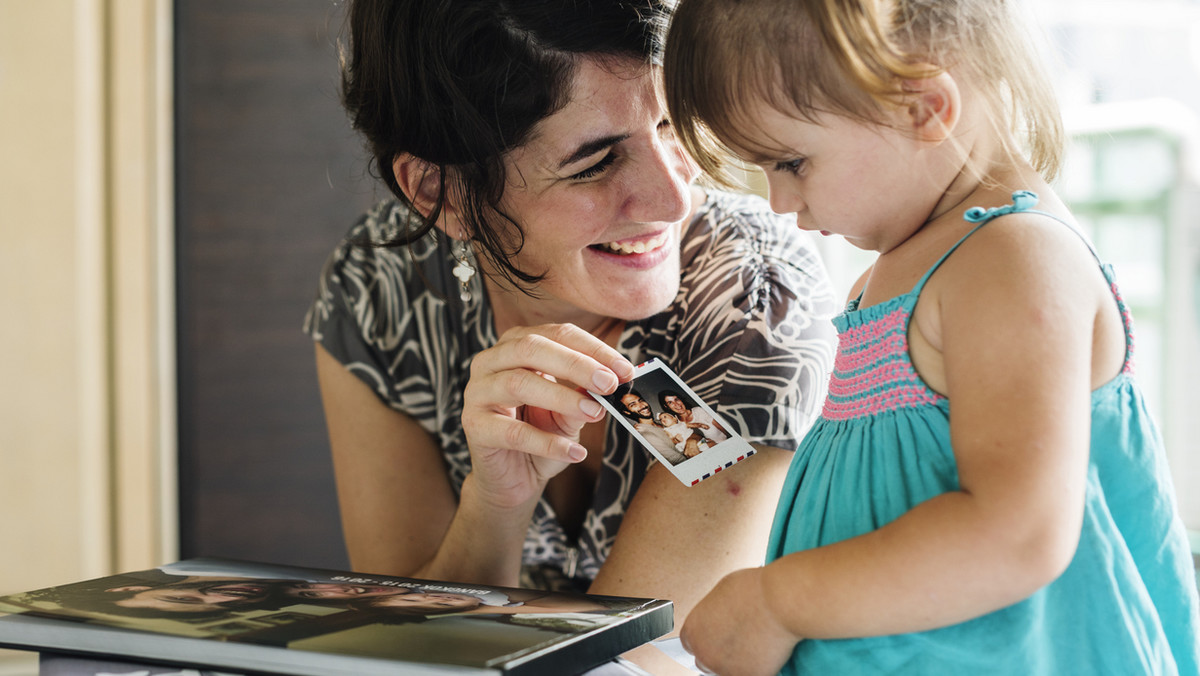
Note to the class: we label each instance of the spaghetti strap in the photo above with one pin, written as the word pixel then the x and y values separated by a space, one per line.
pixel 1023 201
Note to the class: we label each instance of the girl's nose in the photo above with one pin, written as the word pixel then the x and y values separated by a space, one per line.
pixel 783 199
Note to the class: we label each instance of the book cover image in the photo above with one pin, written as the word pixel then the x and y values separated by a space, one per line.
pixel 275 619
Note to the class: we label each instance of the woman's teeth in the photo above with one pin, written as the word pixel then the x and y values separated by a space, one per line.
pixel 636 247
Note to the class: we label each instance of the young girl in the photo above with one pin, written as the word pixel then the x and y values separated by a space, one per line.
pixel 985 491
pixel 688 438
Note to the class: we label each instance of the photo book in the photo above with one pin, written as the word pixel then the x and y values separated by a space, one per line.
pixel 252 618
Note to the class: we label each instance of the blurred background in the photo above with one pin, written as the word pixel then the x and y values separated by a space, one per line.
pixel 174 173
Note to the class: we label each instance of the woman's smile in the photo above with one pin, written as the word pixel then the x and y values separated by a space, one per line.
pixel 642 252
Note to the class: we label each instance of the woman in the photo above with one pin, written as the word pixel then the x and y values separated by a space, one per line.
pixel 527 141
pixel 688 412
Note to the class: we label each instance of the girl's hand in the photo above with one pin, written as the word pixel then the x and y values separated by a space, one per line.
pixel 525 404
pixel 733 632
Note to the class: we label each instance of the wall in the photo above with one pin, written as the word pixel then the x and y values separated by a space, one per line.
pixel 85 397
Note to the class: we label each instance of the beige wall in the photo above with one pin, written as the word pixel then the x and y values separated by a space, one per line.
pixel 85 392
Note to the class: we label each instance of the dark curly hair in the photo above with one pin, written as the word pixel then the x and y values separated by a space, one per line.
pixel 459 83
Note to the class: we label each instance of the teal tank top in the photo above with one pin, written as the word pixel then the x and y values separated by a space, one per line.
pixel 1127 603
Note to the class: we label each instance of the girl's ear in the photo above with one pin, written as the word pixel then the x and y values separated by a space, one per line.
pixel 421 181
pixel 934 106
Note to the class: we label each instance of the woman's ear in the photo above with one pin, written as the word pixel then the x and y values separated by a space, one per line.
pixel 934 106
pixel 421 182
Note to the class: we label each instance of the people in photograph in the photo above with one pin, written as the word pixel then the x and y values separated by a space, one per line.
pixel 687 437
pixel 688 412
pixel 340 591
pixel 430 602
pixel 167 596
pixel 544 232
pixel 631 404
pixel 310 590
pixel 985 490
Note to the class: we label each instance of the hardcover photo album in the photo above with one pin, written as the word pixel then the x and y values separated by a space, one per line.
pixel 258 618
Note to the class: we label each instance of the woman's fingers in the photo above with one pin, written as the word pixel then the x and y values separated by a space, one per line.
pixel 527 393
pixel 515 388
pixel 512 434
pixel 563 351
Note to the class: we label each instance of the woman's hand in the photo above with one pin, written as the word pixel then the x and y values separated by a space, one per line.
pixel 733 632
pixel 525 404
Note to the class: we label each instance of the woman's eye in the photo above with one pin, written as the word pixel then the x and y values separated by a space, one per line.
pixel 792 167
pixel 596 169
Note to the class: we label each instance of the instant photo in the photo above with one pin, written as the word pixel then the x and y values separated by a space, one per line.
pixel 679 429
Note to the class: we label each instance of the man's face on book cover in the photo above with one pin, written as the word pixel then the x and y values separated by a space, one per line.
pixel 194 597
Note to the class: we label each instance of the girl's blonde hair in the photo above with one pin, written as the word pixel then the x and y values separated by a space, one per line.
pixel 850 57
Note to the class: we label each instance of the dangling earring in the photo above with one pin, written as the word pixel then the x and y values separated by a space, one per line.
pixel 463 269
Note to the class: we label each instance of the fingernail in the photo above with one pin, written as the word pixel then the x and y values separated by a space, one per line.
pixel 604 381
pixel 576 452
pixel 590 407
pixel 622 368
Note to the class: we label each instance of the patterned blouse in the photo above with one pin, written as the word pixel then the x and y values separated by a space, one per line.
pixel 749 332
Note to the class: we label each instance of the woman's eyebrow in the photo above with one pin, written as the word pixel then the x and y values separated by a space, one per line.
pixel 591 148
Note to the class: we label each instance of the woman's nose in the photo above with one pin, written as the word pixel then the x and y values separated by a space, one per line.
pixel 661 190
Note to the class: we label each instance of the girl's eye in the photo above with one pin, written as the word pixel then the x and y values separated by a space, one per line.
pixel 792 167
pixel 597 168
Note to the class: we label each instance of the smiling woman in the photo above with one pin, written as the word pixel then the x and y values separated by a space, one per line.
pixel 528 141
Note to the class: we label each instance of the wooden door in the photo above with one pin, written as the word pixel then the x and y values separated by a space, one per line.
pixel 269 177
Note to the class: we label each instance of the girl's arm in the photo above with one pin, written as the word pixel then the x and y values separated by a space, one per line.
pixel 676 542
pixel 1013 314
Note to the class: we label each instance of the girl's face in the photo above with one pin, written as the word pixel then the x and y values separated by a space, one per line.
pixel 602 191
pixel 667 419
pixel 868 183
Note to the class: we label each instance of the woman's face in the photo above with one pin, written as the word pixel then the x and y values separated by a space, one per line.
pixel 602 191
pixel 194 596
pixel 675 404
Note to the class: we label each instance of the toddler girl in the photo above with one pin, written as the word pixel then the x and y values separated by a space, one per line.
pixel 687 436
pixel 985 491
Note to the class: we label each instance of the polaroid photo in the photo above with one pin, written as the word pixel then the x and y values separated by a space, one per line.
pixel 679 429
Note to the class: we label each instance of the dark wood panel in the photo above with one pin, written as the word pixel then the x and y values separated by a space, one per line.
pixel 269 176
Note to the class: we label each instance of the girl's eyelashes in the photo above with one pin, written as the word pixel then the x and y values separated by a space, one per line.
pixel 792 167
pixel 597 168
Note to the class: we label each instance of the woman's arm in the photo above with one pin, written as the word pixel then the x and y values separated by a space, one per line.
pixel 677 541
pixel 396 500
pixel 399 512
pixel 521 417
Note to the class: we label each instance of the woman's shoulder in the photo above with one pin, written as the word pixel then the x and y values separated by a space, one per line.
pixel 373 283
pixel 368 257
pixel 738 225
pixel 738 237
